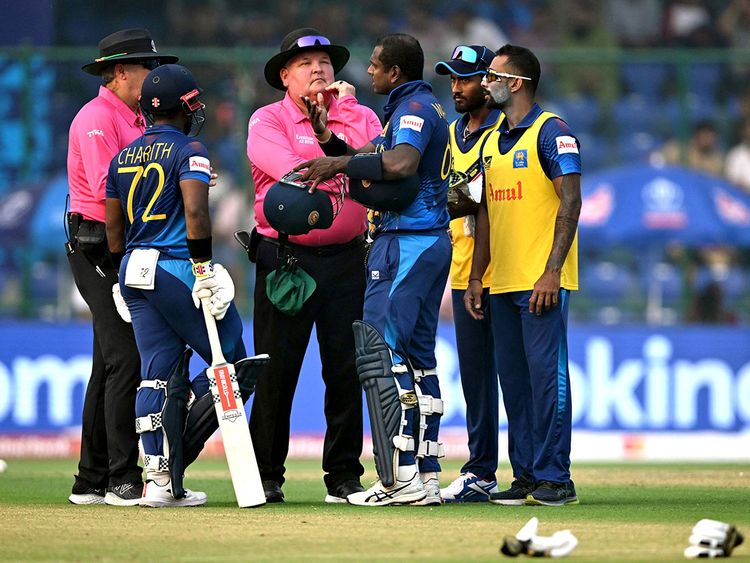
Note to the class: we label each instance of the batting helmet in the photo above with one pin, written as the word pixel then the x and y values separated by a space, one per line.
pixel 170 87
pixel 393 195
pixel 290 208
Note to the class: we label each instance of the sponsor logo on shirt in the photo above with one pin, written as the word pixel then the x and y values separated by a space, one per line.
pixel 411 122
pixel 487 161
pixel 375 274
pixel 95 132
pixel 566 144
pixel 304 139
pixel 521 159
pixel 253 122
pixel 200 164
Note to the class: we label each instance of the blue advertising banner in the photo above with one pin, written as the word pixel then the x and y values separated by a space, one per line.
pixel 623 379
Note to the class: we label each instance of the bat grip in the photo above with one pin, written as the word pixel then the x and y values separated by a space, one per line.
pixel 217 356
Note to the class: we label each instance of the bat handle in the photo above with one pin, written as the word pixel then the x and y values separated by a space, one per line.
pixel 217 356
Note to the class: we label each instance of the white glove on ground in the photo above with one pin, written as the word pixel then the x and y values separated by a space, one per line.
pixel 122 307
pixel 527 542
pixel 711 539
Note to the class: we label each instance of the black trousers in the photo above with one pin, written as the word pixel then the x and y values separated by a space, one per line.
pixel 333 307
pixel 109 443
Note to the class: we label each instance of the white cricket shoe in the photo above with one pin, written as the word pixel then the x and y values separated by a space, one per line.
pixel 431 487
pixel 408 488
pixel 467 487
pixel 160 496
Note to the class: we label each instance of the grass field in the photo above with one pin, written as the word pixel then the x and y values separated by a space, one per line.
pixel 628 512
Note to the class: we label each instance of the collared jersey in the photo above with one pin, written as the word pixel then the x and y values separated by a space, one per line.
pixel 101 128
pixel 415 117
pixel 522 204
pixel 145 176
pixel 466 159
pixel 280 137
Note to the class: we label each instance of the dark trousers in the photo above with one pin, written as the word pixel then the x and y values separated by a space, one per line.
pixel 479 381
pixel 109 443
pixel 532 360
pixel 336 303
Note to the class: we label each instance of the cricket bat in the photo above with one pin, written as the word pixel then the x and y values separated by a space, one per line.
pixel 238 446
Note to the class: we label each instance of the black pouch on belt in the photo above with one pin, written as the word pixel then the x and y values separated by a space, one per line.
pixel 92 240
pixel 249 241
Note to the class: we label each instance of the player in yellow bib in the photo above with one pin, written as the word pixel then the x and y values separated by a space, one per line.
pixel 527 224
pixel 474 345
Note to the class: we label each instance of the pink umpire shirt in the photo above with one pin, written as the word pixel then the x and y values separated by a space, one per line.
pixel 102 128
pixel 280 136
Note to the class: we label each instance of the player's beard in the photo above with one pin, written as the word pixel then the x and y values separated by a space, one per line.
pixel 469 104
pixel 499 96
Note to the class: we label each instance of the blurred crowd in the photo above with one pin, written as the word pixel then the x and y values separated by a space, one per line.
pixel 638 80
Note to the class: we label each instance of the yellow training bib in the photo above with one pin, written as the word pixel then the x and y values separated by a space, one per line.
pixel 522 206
pixel 462 228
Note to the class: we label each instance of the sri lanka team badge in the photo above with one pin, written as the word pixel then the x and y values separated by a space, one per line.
pixel 521 159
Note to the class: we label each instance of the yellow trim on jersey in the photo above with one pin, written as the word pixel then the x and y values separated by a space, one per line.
pixel 462 228
pixel 522 206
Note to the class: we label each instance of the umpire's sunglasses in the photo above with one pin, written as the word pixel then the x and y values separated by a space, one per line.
pixel 312 40
pixel 150 64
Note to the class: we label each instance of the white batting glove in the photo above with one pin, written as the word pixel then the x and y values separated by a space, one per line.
pixel 213 281
pixel 224 294
pixel 120 305
pixel 205 283
pixel 527 542
pixel 711 539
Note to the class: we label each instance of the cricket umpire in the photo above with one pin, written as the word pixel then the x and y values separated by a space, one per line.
pixel 109 443
pixel 281 136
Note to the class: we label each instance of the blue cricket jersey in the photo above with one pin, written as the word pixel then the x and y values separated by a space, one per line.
pixel 414 116
pixel 145 176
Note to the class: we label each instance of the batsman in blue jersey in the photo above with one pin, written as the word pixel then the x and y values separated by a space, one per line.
pixel 158 226
pixel 402 176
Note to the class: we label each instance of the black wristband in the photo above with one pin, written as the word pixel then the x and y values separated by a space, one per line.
pixel 200 248
pixel 366 166
pixel 117 259
pixel 334 146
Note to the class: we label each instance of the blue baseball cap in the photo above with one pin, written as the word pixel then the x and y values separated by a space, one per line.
pixel 467 60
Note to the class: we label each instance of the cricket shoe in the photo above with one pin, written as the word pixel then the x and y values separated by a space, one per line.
pixel 516 495
pixel 407 489
pixel 339 493
pixel 469 488
pixel 82 494
pixel 432 488
pixel 549 493
pixel 160 496
pixel 126 494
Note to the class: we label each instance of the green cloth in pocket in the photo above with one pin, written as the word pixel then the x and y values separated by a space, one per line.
pixel 288 287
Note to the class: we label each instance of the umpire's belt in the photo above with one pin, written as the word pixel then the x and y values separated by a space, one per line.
pixel 326 250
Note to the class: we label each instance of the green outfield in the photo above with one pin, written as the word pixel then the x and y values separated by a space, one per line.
pixel 628 512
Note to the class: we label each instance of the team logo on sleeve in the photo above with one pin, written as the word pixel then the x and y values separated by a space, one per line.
pixel 566 144
pixel 200 164
pixel 521 159
pixel 411 122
